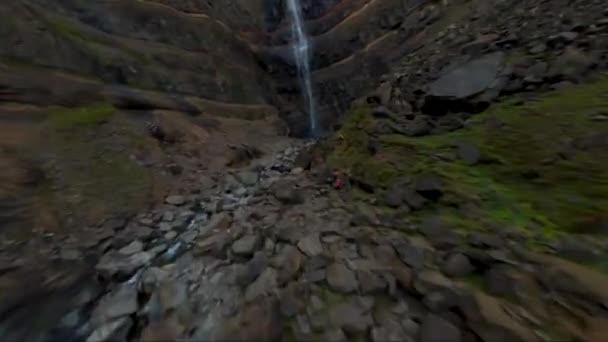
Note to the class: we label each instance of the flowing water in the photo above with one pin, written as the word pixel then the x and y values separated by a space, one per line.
pixel 301 50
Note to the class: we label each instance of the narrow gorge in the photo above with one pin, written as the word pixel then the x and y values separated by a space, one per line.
pixel 335 170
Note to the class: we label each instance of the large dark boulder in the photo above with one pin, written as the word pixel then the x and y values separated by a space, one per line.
pixel 469 87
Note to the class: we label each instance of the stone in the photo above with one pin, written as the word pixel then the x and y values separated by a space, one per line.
pixel 252 269
pixel 116 264
pixel 168 216
pixel 469 153
pixel 172 295
pixel 341 279
pixel 410 327
pixel 402 274
pixel 334 335
pixel 414 256
pixel 170 235
pixel 394 197
pixel 246 245
pixel 132 248
pixel 122 301
pixel 572 65
pixel 464 82
pixel 427 281
pixel 289 262
pixel 440 300
pixel 418 126
pixel 538 48
pixel 310 245
pixel 414 200
pixel 500 281
pixel 536 73
pixel 370 283
pixel 115 330
pixel 457 265
pixel 214 245
pixel 286 193
pixel 218 223
pixel 389 331
pixel 260 320
pixel 364 215
pixel 351 317
pixel 249 178
pixel 175 200
pixel 429 185
pixel 562 38
pixel 266 284
pixel 293 299
pixel 437 329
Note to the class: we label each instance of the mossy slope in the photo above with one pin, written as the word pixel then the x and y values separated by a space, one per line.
pixel 544 163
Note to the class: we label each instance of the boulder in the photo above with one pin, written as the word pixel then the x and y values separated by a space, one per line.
pixel 341 279
pixel 246 245
pixel 310 245
pixel 456 89
pixel 457 265
pixel 351 317
pixel 437 329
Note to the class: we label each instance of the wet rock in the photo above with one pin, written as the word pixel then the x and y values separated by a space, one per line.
pixel 246 245
pixel 257 321
pixel 437 329
pixel 572 65
pixel 170 235
pixel 364 215
pixel 410 327
pixel 265 285
pixel 390 331
pixel 118 303
pixel 562 38
pixel 175 200
pixel 164 330
pixel 427 281
pixel 287 193
pixel 168 216
pixel 429 186
pixel 351 317
pixel 441 300
pixel 214 245
pixel 472 78
pixel 340 278
pixel 394 197
pixel 457 265
pixel 248 178
pixel 412 255
pixel 172 295
pixel 469 153
pixel 334 335
pixel 293 299
pixel 132 248
pixel 117 264
pixel 419 126
pixel 152 277
pixel 414 200
pixel 288 263
pixel 310 245
pixel 370 283
pixel 115 330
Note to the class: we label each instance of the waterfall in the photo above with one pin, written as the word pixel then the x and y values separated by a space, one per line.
pixel 301 51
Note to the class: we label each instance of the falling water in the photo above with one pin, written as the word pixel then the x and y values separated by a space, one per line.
pixel 301 50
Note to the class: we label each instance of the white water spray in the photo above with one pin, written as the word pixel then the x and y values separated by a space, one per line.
pixel 301 51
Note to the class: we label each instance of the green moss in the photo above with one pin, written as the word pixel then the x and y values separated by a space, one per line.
pixel 96 44
pixel 544 165
pixel 90 174
pixel 67 118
